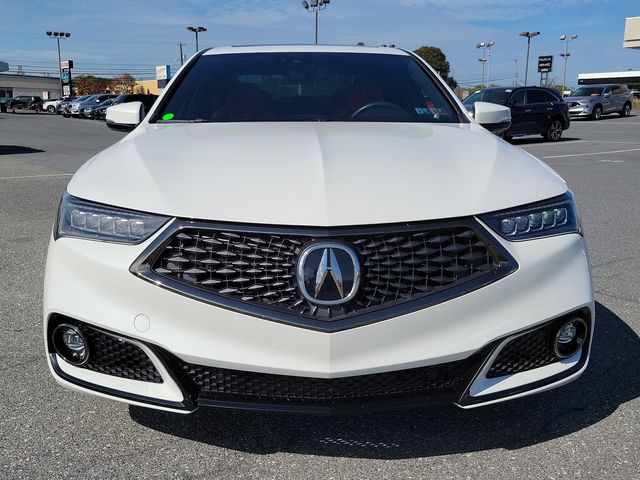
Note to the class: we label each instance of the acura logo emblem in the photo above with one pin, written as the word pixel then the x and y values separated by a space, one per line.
pixel 328 273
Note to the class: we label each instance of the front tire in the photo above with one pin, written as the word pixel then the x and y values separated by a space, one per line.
pixel 597 113
pixel 51 109
pixel 554 131
pixel 626 110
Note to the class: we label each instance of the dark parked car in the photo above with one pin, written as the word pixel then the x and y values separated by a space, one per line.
pixel 76 108
pixel 147 100
pixel 534 110
pixel 28 102
pixel 4 101
pixel 90 110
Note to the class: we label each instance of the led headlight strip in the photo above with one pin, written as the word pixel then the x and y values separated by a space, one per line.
pixel 83 219
pixel 556 216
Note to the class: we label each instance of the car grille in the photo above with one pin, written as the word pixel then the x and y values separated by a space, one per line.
pixel 219 384
pixel 115 356
pixel 399 265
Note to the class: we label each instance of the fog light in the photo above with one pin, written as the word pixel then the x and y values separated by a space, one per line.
pixel 570 337
pixel 71 344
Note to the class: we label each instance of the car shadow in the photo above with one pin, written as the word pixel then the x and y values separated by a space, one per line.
pixel 610 380
pixel 538 139
pixel 17 150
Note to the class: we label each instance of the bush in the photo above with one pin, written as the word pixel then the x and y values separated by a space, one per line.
pixel 636 103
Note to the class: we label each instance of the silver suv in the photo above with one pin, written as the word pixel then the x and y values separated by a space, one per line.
pixel 593 101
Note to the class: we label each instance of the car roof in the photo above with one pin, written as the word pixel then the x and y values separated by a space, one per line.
pixel 304 49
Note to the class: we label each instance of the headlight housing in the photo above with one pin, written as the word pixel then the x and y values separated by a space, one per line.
pixel 556 216
pixel 82 219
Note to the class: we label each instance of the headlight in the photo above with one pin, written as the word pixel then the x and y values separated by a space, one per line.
pixel 83 219
pixel 543 219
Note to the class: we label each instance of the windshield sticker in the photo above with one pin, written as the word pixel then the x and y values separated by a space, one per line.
pixel 423 111
pixel 167 116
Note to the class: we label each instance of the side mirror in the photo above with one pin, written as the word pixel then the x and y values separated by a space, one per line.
pixel 607 95
pixel 125 116
pixel 495 118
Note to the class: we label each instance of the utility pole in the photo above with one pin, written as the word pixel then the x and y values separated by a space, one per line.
pixel 566 55
pixel 58 36
pixel 529 36
pixel 314 6
pixel 197 30
pixel 181 53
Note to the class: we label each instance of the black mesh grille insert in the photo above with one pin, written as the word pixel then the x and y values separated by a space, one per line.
pixel 234 385
pixel 526 352
pixel 114 356
pixel 260 268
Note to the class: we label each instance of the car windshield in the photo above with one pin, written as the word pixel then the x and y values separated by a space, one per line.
pixel 492 95
pixel 319 86
pixel 588 92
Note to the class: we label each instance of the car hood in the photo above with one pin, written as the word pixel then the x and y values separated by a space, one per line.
pixel 321 174
pixel 580 99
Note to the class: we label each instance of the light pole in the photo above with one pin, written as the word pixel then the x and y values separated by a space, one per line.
pixel 314 6
pixel 529 36
pixel 486 58
pixel 58 36
pixel 482 61
pixel 197 30
pixel 566 55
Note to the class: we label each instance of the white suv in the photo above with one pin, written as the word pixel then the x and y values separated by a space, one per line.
pixel 315 229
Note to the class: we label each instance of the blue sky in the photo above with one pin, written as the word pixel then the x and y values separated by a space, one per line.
pixel 135 35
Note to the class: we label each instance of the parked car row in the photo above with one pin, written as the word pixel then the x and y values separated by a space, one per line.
pixel 95 106
pixel 542 111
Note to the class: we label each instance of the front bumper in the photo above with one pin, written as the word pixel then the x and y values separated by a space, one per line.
pixel 581 111
pixel 181 335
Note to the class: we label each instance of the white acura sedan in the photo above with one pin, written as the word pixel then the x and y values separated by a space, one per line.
pixel 316 229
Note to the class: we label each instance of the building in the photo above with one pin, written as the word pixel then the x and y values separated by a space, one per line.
pixel 12 85
pixel 630 77
pixel 147 86
pixel 631 40
pixel 632 33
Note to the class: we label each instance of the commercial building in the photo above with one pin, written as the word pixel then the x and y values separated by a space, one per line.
pixel 12 85
pixel 632 33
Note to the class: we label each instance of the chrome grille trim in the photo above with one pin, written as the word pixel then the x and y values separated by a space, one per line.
pixel 365 239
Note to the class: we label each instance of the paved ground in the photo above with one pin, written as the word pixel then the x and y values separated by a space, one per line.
pixel 589 429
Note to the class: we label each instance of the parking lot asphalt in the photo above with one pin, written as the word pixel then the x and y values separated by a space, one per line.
pixel 588 429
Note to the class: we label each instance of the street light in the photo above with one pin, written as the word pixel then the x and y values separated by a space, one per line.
pixel 485 58
pixel 529 36
pixel 314 6
pixel 58 36
pixel 566 55
pixel 197 30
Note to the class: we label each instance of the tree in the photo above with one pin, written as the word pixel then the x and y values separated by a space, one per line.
pixel 124 83
pixel 438 60
pixel 87 84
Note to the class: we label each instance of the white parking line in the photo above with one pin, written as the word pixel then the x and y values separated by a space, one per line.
pixel 594 153
pixel 38 176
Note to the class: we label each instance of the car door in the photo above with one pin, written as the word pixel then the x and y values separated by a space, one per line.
pixel 617 97
pixel 608 104
pixel 517 103
pixel 536 111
